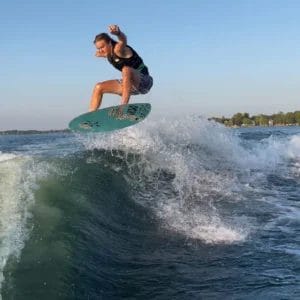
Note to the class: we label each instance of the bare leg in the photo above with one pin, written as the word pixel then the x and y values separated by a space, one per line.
pixel 130 79
pixel 109 86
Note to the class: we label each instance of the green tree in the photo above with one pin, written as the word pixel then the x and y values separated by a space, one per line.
pixel 246 115
pixel 228 122
pixel 281 118
pixel 297 117
pixel 290 118
pixel 247 121
pixel 261 120
pixel 237 119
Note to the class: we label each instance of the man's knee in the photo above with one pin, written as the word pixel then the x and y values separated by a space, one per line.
pixel 99 87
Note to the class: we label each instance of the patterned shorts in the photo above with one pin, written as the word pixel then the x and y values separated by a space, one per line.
pixel 144 86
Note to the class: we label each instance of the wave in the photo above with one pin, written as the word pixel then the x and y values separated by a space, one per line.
pixel 13 214
pixel 192 178
pixel 180 170
pixel 6 156
pixel 294 147
pixel 293 153
pixel 206 163
pixel 17 180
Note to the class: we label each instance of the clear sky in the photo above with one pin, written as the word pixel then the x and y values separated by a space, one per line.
pixel 210 57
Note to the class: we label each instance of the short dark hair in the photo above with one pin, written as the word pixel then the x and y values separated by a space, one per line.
pixel 104 36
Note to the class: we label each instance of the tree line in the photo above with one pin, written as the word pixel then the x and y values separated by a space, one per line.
pixel 21 132
pixel 244 119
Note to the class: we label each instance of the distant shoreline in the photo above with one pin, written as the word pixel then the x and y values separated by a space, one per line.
pixel 245 120
pixel 28 132
pixel 238 120
pixel 23 132
pixel 270 126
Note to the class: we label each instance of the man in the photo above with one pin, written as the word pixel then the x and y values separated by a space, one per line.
pixel 135 75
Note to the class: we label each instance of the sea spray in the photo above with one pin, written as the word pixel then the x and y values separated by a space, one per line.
pixel 18 175
pixel 161 210
pixel 198 156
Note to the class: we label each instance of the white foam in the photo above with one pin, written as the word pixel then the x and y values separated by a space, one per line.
pixel 209 162
pixel 6 156
pixel 201 223
pixel 199 154
pixel 17 181
pixel 293 152
pixel 293 149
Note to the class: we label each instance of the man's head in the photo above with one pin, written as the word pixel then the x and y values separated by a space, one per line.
pixel 103 42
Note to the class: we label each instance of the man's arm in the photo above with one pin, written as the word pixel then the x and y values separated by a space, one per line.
pixel 120 48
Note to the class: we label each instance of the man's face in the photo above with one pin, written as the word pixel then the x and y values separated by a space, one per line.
pixel 103 47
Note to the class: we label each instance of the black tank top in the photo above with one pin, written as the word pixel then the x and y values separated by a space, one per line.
pixel 135 61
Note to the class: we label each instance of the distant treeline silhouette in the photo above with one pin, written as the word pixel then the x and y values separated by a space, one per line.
pixel 244 119
pixel 19 132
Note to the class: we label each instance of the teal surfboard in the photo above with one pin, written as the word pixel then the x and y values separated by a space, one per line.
pixel 111 118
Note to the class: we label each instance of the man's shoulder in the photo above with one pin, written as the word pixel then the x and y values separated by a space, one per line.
pixel 123 51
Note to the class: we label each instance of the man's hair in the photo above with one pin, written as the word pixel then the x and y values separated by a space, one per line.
pixel 105 37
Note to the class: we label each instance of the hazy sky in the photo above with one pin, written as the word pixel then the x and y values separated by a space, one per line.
pixel 210 57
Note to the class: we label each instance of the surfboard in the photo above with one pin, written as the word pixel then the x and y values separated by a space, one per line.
pixel 111 118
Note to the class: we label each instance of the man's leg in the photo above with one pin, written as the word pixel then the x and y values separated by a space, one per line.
pixel 130 82
pixel 109 86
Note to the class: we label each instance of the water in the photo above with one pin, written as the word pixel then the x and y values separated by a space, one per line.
pixel 169 209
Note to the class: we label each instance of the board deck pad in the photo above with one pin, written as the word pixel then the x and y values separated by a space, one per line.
pixel 111 118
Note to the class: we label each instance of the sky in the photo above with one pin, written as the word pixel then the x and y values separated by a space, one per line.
pixel 207 57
